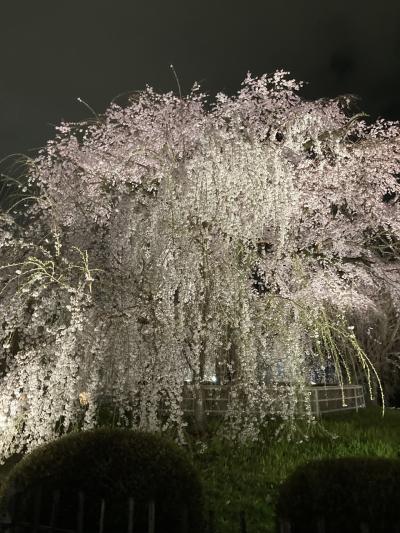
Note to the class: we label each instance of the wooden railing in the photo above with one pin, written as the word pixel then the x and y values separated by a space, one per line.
pixel 45 516
pixel 333 398
pixel 41 521
pixel 324 399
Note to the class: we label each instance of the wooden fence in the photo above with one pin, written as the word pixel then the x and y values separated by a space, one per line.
pixel 324 399
pixel 333 398
pixel 49 524
pixel 38 523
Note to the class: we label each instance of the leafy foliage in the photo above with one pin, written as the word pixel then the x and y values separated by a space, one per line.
pixel 345 492
pixel 115 465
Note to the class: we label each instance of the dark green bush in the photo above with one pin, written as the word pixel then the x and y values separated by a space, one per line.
pixel 113 464
pixel 345 493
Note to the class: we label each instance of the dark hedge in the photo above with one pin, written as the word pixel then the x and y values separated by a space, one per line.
pixel 345 492
pixel 112 464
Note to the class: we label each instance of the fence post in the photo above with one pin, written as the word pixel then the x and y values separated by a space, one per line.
pixel 321 525
pixel 81 503
pixel 285 527
pixel 14 509
pixel 152 516
pixel 317 412
pixel 37 508
pixel 242 518
pixel 211 527
pixel 131 507
pixel 184 520
pixel 54 509
pixel 102 511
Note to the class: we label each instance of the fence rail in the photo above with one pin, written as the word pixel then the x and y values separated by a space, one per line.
pixel 334 398
pixel 324 399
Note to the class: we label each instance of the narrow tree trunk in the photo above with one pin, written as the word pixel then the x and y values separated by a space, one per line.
pixel 199 413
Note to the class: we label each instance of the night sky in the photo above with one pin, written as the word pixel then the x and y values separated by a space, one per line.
pixel 54 52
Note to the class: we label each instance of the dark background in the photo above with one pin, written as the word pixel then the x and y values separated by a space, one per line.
pixel 51 53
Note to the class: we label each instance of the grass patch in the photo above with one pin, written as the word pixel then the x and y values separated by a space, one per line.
pixel 248 477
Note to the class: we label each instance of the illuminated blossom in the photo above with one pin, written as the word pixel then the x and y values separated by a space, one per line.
pixel 177 242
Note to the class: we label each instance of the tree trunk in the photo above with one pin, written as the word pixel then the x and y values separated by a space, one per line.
pixel 199 414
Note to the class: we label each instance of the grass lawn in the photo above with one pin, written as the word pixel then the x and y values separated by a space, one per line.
pixel 247 478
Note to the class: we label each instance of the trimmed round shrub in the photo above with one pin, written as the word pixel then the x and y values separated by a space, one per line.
pixel 113 464
pixel 344 493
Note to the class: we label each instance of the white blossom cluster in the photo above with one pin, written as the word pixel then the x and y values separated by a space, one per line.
pixel 175 241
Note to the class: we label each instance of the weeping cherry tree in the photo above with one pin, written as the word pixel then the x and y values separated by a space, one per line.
pixel 173 242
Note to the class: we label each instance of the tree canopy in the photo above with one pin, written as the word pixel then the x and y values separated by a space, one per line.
pixel 171 241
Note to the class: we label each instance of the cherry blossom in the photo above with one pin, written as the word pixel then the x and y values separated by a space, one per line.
pixel 175 241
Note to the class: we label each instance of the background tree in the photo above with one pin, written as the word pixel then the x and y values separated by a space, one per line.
pixel 171 243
